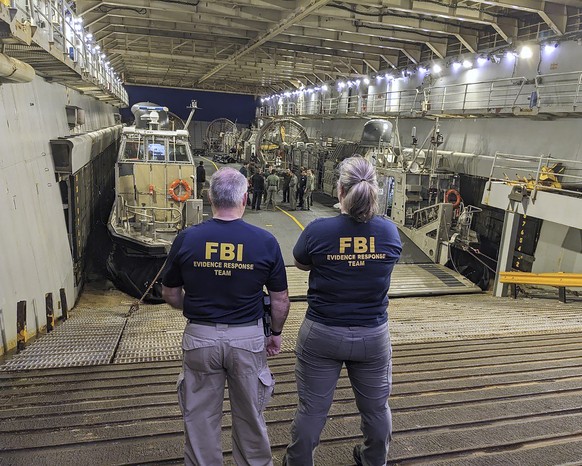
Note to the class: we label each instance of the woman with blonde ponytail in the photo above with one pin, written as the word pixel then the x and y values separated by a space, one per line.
pixel 350 258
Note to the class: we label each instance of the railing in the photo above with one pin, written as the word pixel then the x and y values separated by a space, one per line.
pixel 559 90
pixel 539 172
pixel 549 92
pixel 146 217
pixel 57 22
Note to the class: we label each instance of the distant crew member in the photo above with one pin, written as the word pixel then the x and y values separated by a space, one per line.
pixel 293 191
pixel 286 180
pixel 216 272
pixel 309 188
pixel 272 188
pixel 258 184
pixel 301 185
pixel 200 179
pixel 350 258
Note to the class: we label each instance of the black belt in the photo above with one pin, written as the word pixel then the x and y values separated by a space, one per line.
pixel 214 324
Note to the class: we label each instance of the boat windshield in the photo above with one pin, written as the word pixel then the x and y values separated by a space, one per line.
pixel 152 148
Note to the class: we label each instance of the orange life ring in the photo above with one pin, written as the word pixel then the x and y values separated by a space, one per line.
pixel 187 190
pixel 457 197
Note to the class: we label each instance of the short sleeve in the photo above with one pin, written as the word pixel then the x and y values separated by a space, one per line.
pixel 172 274
pixel 277 280
pixel 300 251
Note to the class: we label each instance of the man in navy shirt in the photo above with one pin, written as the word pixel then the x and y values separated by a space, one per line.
pixel 215 272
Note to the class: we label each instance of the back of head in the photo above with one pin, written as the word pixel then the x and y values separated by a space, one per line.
pixel 227 188
pixel 357 182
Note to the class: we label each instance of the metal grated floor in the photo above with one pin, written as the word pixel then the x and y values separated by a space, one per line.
pixel 154 332
pixel 83 340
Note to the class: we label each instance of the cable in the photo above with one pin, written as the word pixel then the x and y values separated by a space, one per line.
pixel 388 12
pixel 108 9
pixel 180 2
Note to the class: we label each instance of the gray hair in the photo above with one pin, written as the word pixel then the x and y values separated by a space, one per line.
pixel 357 181
pixel 227 188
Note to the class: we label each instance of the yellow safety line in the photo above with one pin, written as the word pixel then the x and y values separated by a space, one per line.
pixel 292 217
pixel 212 162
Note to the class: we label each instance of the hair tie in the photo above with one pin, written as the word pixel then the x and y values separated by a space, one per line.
pixel 363 179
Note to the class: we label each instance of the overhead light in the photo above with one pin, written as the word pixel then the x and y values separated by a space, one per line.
pixel 549 48
pixel 366 81
pixel 341 85
pixel 379 77
pixel 526 52
pixel 456 65
pixel 324 87
pixel 436 68
pixel 422 69
pixel 467 64
pixel 481 60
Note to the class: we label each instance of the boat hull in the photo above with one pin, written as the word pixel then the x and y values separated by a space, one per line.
pixel 132 266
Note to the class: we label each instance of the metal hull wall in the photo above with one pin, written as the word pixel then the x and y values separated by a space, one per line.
pixel 35 255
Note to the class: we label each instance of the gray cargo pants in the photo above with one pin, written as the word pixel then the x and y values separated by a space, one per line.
pixel 321 352
pixel 213 355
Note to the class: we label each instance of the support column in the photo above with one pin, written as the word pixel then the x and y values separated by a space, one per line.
pixel 506 250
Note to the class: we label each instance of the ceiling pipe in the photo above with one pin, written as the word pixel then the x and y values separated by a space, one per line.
pixel 15 71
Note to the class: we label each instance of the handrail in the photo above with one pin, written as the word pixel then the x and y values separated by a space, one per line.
pixel 547 91
pixel 57 21
pixel 141 213
pixel 534 172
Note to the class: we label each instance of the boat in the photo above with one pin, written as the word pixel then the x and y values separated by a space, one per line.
pixel 155 199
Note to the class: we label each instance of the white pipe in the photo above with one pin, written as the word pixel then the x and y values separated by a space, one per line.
pixel 15 71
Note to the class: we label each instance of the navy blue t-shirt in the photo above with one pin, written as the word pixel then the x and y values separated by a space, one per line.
pixel 223 266
pixel 351 264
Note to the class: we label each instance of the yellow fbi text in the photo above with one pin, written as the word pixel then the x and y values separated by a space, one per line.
pixel 223 258
pixel 356 250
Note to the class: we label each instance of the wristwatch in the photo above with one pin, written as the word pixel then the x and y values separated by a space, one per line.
pixel 276 334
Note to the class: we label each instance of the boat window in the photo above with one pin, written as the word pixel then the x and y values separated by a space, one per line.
pixel 156 149
pixel 132 151
pixel 178 153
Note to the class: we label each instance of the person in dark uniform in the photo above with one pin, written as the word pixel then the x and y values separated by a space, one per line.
pixel 350 258
pixel 245 171
pixel 200 179
pixel 215 272
pixel 286 180
pixel 258 183
pixel 301 185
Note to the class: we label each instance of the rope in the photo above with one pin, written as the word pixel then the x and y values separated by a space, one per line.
pixel 135 306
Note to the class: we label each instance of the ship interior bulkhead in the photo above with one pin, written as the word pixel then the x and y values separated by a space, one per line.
pixel 470 112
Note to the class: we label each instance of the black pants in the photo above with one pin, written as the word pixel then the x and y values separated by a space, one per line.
pixel 300 192
pixel 286 194
pixel 257 195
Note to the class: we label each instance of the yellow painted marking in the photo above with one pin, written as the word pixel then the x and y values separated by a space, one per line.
pixel 208 160
pixel 558 279
pixel 292 217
